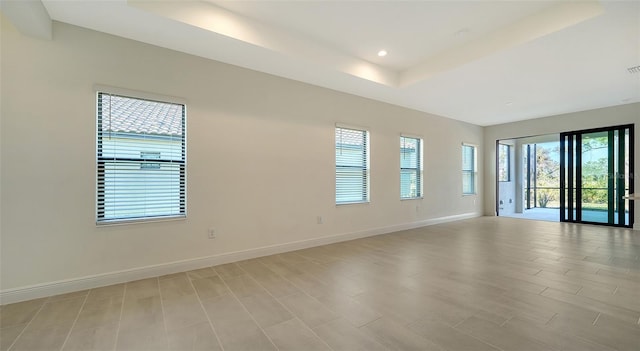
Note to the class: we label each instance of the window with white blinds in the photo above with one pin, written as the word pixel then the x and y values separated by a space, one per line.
pixel 141 159
pixel 352 165
pixel 410 167
pixel 469 172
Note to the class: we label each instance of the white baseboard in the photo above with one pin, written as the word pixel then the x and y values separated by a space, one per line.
pixel 95 281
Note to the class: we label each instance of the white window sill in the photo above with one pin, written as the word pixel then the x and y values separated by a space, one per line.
pixel 117 222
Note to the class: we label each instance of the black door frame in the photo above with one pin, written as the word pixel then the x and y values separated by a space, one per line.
pixel 568 163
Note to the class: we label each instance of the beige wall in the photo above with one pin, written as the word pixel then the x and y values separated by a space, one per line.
pixel 260 159
pixel 611 116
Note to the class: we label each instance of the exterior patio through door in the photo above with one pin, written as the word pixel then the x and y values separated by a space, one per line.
pixel 596 173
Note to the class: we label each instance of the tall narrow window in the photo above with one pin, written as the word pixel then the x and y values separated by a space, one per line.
pixel 504 161
pixel 410 167
pixel 469 172
pixel 352 165
pixel 141 159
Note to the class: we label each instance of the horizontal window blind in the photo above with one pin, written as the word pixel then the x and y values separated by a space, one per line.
pixel 410 167
pixel 468 169
pixel 352 166
pixel 141 159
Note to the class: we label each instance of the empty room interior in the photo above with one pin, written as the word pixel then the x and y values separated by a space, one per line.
pixel 319 175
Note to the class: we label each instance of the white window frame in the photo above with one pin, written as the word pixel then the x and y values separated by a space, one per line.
pixel 418 169
pixel 473 171
pixel 150 160
pixel 366 170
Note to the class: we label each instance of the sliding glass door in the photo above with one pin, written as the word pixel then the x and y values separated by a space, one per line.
pixel 596 174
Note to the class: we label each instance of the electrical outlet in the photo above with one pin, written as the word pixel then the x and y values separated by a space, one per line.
pixel 319 220
pixel 211 233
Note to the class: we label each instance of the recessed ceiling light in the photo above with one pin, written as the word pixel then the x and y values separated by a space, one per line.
pixel 382 53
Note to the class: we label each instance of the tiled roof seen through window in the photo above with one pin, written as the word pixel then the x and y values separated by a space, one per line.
pixel 129 115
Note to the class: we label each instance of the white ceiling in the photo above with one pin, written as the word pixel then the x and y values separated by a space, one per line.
pixel 410 31
pixel 483 62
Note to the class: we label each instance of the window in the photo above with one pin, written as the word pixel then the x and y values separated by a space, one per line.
pixel 141 159
pixel 469 172
pixel 410 167
pixel 149 156
pixel 352 165
pixel 504 162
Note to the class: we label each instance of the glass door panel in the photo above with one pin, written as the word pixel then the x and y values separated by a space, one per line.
pixel 596 174
pixel 596 190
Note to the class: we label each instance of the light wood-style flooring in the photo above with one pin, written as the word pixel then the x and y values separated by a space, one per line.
pixel 481 284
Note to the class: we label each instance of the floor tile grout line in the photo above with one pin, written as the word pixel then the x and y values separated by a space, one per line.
pixel 551 319
pixel 124 295
pixel 282 304
pixel 455 326
pixel 327 322
pixel 265 289
pixel 313 331
pixel 537 339
pixel 506 321
pixel 287 308
pixel 28 324
pixel 75 321
pixel 164 318
pixel 314 275
pixel 245 308
pixel 321 280
pixel 215 333
pixel 328 308
pixel 372 321
pixel 588 341
pixel 473 336
pixel 305 293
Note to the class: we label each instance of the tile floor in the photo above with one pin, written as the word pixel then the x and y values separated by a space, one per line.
pixel 480 284
pixel 553 215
